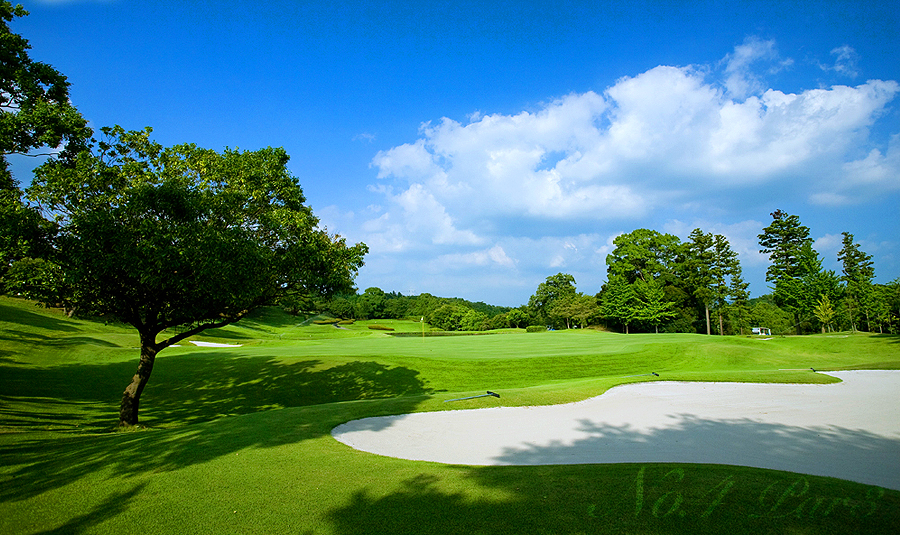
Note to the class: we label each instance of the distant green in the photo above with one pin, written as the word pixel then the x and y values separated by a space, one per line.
pixel 238 439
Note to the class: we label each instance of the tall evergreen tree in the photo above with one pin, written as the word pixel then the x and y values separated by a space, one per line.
pixel 699 265
pixel 713 272
pixel 726 276
pixel 739 296
pixel 800 294
pixel 858 272
pixel 784 240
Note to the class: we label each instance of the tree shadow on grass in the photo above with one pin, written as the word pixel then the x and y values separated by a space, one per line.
pixel 190 390
pixel 642 498
pixel 45 321
pixel 111 507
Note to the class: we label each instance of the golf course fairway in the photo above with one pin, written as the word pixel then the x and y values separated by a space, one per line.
pixel 238 439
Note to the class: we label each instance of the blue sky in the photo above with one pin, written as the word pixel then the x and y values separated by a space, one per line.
pixel 480 147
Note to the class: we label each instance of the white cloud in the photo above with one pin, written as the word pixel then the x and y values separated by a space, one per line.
pixel 494 257
pixel 417 214
pixel 845 61
pixel 701 143
pixel 743 236
pixel 828 245
pixel 742 80
pixel 649 141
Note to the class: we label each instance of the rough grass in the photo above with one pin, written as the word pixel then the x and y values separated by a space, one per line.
pixel 238 439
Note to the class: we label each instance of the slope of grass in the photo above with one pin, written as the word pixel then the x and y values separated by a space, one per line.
pixel 239 438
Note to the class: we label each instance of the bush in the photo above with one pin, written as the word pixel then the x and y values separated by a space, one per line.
pixel 377 327
pixel 535 329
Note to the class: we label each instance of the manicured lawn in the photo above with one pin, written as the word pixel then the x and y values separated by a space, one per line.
pixel 237 439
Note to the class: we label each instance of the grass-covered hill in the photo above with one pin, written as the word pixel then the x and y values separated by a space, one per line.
pixel 237 439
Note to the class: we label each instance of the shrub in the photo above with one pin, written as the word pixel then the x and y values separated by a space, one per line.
pixel 380 327
pixel 535 329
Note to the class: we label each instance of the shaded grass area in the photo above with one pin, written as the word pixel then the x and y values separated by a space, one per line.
pixel 239 438
pixel 279 471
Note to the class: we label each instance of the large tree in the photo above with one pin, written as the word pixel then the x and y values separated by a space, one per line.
pixel 35 112
pixel 784 240
pixel 652 306
pixel 185 238
pixel 858 272
pixel 643 254
pixel 645 261
pixel 619 301
pixel 801 293
pixel 555 287
pixel 701 270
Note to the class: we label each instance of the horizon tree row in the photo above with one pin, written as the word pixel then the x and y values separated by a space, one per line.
pixel 818 298
pixel 657 282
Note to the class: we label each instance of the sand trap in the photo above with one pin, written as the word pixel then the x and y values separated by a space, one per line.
pixel 849 430
pixel 213 344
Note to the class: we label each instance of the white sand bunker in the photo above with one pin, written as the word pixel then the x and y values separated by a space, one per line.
pixel 849 430
pixel 213 344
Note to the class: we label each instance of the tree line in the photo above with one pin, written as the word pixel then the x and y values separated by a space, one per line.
pixel 657 283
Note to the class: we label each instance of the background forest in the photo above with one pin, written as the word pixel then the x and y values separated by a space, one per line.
pixel 657 283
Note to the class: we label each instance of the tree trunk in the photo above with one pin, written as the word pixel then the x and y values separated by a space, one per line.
pixel 721 327
pixel 708 330
pixel 131 398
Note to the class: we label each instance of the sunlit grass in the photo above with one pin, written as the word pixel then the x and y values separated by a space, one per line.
pixel 238 439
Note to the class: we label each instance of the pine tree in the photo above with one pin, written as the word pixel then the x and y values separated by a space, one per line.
pixel 858 272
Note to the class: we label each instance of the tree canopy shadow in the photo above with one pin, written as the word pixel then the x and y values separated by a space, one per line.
pixel 18 315
pixel 111 507
pixel 620 499
pixel 185 389
pixel 830 451
pixel 549 491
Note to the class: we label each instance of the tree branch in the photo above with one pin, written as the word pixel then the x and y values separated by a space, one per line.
pixel 200 328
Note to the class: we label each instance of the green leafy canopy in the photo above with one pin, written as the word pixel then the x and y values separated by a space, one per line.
pixel 160 237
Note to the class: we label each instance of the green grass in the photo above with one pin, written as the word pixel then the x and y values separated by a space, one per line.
pixel 238 439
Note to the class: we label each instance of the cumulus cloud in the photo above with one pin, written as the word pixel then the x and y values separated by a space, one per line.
pixel 649 141
pixel 700 141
